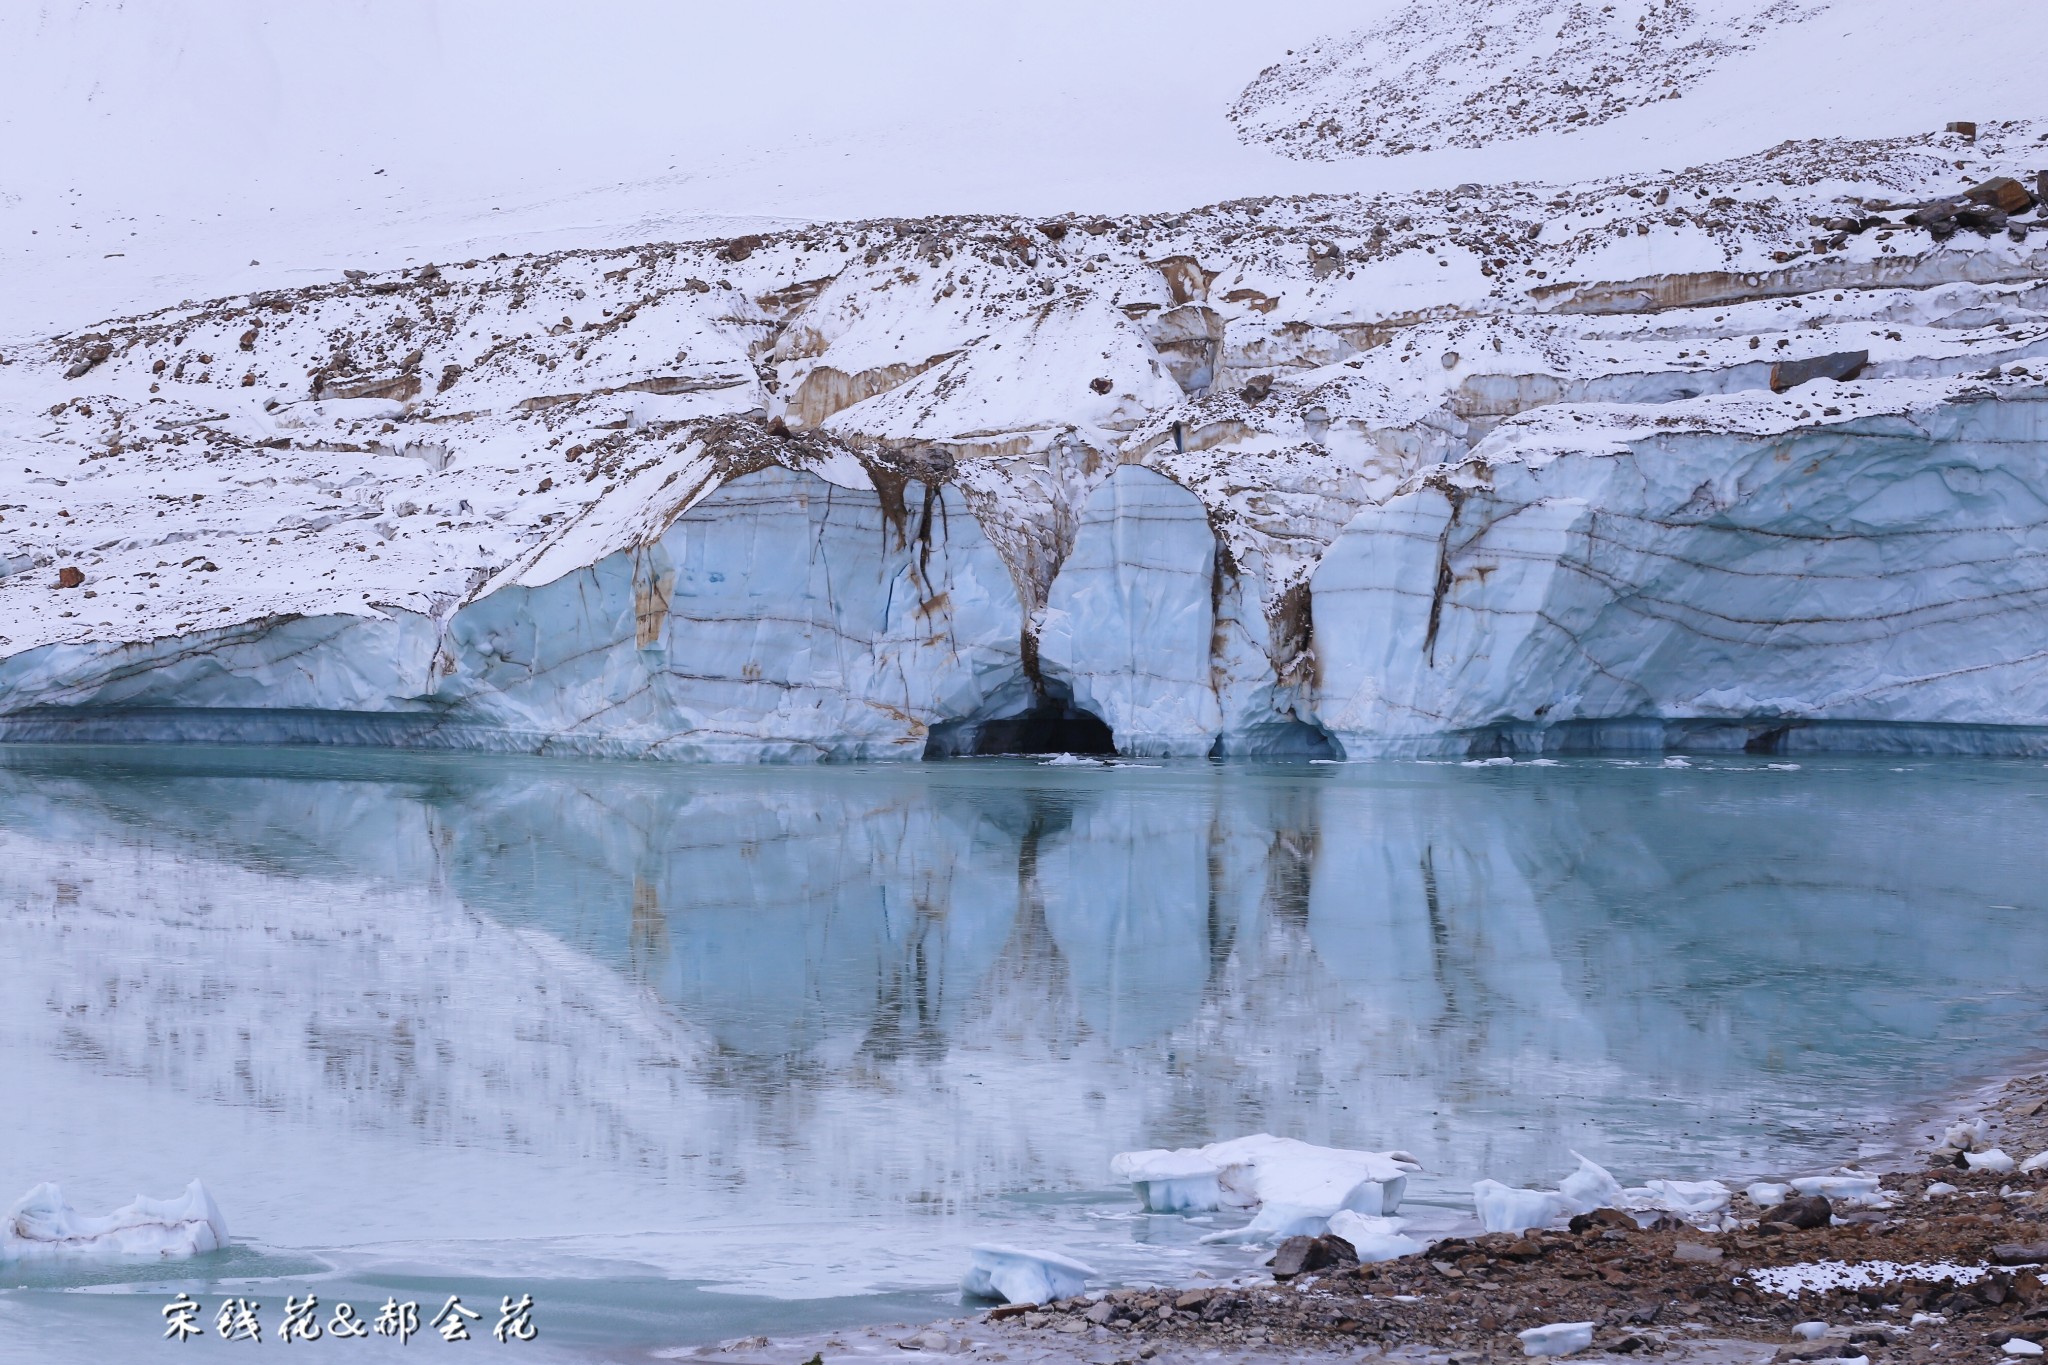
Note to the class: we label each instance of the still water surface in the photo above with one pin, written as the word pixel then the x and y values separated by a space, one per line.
pixel 689 1053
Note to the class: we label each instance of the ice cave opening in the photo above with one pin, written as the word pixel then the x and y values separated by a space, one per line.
pixel 1053 726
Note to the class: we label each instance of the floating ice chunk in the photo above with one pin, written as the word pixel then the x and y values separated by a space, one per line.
pixel 1767 1194
pixel 1850 1187
pixel 1541 763
pixel 1073 761
pixel 1994 1161
pixel 1556 1338
pixel 1265 1170
pixel 1502 762
pixel 2034 1163
pixel 1171 1182
pixel 1676 762
pixel 1015 1275
pixel 1782 767
pixel 1295 1186
pixel 42 1226
pixel 1374 1239
pixel 1590 1187
pixel 1503 1208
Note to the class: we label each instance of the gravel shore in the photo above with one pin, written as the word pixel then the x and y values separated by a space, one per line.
pixel 1945 1273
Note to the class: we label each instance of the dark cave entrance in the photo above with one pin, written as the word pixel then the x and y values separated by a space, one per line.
pixel 1051 727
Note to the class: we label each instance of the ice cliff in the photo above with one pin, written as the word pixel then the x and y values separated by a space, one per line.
pixel 1747 455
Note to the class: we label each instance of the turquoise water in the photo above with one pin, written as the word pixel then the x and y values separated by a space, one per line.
pixel 691 1053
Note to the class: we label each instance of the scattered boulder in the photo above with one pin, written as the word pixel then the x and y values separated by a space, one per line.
pixel 739 248
pixel 2020 1253
pixel 1301 1255
pixel 1598 1218
pixel 1840 366
pixel 2003 193
pixel 1963 128
pixel 1807 1211
pixel 1256 388
pixel 69 577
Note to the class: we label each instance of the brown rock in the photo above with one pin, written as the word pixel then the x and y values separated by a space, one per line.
pixel 1807 1211
pixel 249 340
pixel 1011 1310
pixel 1602 1218
pixel 2003 193
pixel 69 577
pixel 739 248
pixel 1301 1255
pixel 1841 366
pixel 1965 127
pixel 2020 1253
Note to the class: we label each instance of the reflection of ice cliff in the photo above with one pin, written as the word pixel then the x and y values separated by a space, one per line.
pixel 928 987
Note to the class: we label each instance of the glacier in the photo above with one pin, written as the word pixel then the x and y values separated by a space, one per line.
pixel 1629 462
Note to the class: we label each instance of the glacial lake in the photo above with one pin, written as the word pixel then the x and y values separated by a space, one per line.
pixel 689 1053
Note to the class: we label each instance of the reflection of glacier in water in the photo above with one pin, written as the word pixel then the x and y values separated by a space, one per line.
pixel 808 1033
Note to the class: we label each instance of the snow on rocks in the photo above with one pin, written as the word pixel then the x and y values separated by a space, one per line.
pixel 1015 1275
pixel 1820 1276
pixel 42 1226
pixel 1294 1187
pixel 1411 81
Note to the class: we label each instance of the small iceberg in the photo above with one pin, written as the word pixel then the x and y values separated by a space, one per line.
pixel 1505 1208
pixel 1015 1275
pixel 1295 1186
pixel 43 1227
pixel 1374 1239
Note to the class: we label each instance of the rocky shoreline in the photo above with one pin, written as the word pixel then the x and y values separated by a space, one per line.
pixel 1948 1272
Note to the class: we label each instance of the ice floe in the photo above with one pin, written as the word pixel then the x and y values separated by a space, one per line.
pixel 43 1226
pixel 1294 1186
pixel 1015 1275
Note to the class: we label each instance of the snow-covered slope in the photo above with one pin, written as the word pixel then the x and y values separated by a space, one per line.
pixel 1484 465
